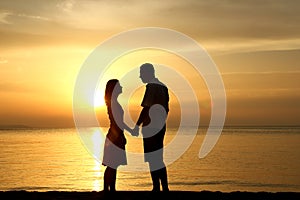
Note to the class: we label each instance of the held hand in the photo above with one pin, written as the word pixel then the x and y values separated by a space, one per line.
pixel 135 131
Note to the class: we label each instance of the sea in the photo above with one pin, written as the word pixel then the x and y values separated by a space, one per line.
pixel 242 159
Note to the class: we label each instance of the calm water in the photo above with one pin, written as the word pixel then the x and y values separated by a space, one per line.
pixel 244 159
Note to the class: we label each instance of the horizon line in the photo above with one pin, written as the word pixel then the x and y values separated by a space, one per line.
pixel 22 126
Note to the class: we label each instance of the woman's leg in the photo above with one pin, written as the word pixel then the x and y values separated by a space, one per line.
pixel 113 179
pixel 106 179
pixel 110 176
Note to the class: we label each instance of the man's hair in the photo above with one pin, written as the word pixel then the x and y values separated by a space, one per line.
pixel 148 68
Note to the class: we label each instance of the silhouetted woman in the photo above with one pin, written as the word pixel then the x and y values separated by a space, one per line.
pixel 114 153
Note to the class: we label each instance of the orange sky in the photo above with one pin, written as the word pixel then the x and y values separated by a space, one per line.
pixel 255 44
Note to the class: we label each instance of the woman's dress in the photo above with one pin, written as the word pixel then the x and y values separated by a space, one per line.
pixel 114 153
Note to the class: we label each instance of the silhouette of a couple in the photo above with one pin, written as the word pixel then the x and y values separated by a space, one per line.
pixel 153 121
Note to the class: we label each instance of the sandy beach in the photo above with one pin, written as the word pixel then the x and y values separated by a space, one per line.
pixel 132 195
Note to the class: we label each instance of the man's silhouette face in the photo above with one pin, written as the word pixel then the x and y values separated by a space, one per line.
pixel 146 75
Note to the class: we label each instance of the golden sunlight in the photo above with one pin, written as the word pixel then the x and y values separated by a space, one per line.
pixel 99 99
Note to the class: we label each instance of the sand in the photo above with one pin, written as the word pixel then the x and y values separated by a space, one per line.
pixel 144 195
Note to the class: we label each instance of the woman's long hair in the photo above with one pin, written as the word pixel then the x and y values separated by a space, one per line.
pixel 110 85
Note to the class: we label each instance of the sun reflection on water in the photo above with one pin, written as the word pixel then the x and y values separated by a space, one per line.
pixel 97 142
pixel 98 169
pixel 98 176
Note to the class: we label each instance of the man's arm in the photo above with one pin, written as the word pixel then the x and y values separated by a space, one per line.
pixel 140 120
pixel 142 116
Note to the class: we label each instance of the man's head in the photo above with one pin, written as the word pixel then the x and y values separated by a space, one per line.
pixel 147 72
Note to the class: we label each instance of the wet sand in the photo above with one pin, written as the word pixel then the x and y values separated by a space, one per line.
pixel 138 195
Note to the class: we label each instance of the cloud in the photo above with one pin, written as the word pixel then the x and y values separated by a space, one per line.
pixel 3 61
pixel 66 6
pixel 3 17
pixel 34 17
pixel 203 19
pixel 262 73
pixel 13 87
pixel 237 19
pixel 229 25
pixel 262 81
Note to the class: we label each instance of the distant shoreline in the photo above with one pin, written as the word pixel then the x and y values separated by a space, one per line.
pixel 22 127
pixel 12 127
pixel 132 195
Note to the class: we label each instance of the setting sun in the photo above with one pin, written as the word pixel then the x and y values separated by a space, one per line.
pixel 99 99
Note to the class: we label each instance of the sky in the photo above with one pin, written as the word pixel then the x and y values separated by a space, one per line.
pixel 255 45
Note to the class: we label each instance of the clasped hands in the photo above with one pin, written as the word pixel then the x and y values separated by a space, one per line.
pixel 135 131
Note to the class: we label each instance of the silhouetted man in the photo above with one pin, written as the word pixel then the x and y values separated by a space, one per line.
pixel 153 120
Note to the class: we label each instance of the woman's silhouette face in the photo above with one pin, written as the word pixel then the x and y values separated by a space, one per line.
pixel 117 89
